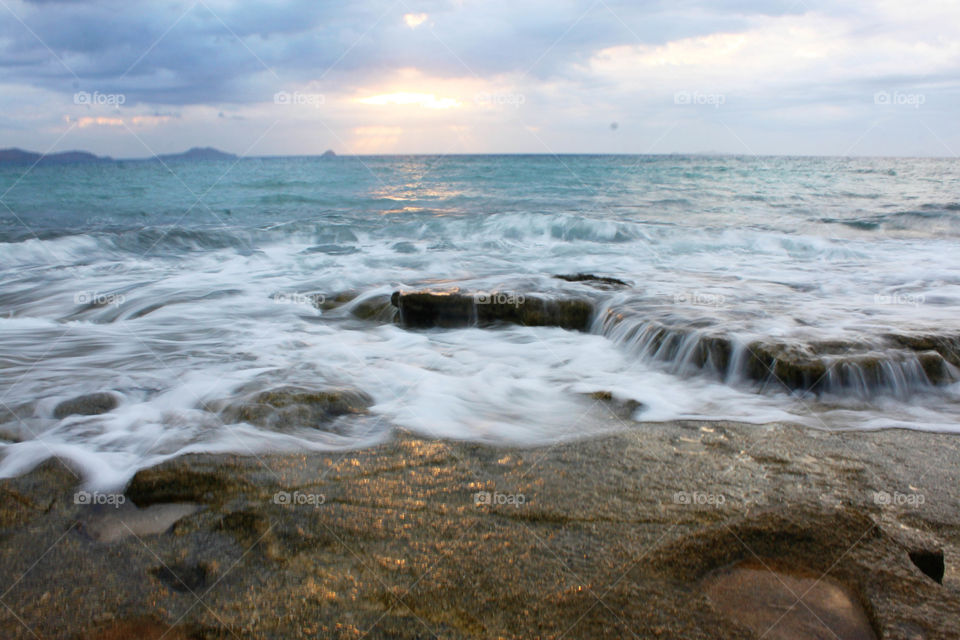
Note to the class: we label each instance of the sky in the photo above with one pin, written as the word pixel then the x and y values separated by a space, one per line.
pixel 131 78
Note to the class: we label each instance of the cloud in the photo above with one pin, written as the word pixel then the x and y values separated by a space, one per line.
pixel 195 52
pixel 108 121
pixel 537 76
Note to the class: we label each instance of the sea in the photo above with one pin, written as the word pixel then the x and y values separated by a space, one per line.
pixel 179 286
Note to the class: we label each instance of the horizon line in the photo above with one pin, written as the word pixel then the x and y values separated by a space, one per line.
pixel 705 154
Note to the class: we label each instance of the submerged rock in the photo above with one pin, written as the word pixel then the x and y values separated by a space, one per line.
pixel 377 308
pixel 91 404
pixel 178 481
pixel 450 309
pixel 112 523
pixel 405 247
pixel 329 303
pixel 601 282
pixel 622 408
pixel 291 407
pixel 331 249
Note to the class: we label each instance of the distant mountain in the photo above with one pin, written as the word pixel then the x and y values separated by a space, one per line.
pixel 19 156
pixel 328 154
pixel 199 153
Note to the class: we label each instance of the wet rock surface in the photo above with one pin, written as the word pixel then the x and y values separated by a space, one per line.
pixel 601 282
pixel 610 537
pixel 109 523
pixel 882 363
pixel 91 404
pixel 450 309
pixel 377 308
pixel 374 307
pixel 619 408
pixel 948 346
pixel 286 408
pixel 861 367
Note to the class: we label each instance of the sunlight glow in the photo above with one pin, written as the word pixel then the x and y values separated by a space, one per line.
pixel 414 20
pixel 426 100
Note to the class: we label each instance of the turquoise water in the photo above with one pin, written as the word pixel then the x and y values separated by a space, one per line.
pixel 179 286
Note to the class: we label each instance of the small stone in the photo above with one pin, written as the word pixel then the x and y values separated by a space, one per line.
pixel 92 404
pixel 601 282
pixel 781 602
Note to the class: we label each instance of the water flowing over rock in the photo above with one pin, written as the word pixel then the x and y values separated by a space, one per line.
pixel 893 364
pixel 286 408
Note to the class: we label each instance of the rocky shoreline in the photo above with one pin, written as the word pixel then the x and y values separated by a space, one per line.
pixel 889 361
pixel 658 529
pixel 625 535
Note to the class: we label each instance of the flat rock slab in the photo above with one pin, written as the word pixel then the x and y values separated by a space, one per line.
pixel 607 537
pixel 780 602
pixel 454 308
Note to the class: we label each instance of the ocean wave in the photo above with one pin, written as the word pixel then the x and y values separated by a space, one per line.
pixel 289 198
pixel 908 219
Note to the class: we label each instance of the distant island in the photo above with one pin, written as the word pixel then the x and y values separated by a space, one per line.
pixel 20 157
pixel 197 153
pixel 15 156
